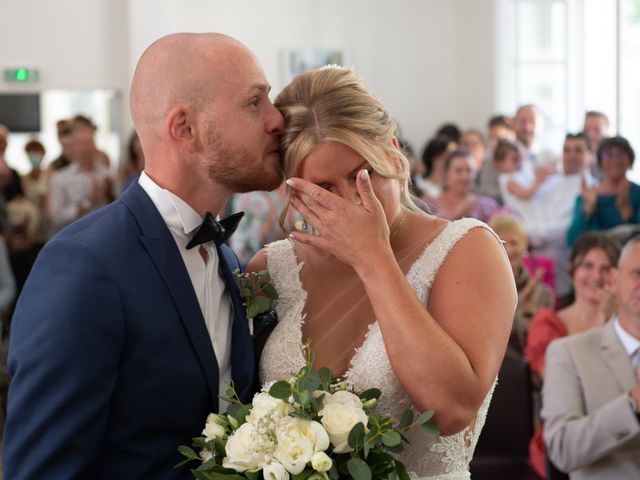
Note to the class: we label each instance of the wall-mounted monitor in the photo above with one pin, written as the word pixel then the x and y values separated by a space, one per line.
pixel 20 112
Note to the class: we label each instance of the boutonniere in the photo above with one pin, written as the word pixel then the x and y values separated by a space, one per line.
pixel 258 294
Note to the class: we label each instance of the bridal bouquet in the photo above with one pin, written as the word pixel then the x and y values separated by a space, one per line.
pixel 311 427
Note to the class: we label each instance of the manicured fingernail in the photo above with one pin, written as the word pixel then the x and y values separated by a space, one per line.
pixel 365 174
pixel 292 235
pixel 289 182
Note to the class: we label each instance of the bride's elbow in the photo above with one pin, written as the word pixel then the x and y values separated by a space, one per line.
pixel 453 419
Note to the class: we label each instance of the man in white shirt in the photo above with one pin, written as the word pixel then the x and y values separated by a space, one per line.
pixel 80 187
pixel 124 338
pixel 548 213
pixel 591 391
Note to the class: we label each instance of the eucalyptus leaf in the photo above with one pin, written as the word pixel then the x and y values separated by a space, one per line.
pixel 270 291
pixel 358 469
pixel 188 452
pixel 391 438
pixel 252 474
pixel 239 412
pixel 281 390
pixel 265 275
pixel 325 375
pixel 401 470
pixel 356 436
pixel 199 442
pixel 303 475
pixel 406 419
pixel 257 305
pixel 425 417
pixel 333 473
pixel 310 383
pixel 245 292
pixel 371 393
pixel 431 429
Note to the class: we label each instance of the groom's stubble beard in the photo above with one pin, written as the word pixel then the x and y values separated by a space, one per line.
pixel 236 168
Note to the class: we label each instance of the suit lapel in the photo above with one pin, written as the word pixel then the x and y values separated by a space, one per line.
pixel 616 357
pixel 162 249
pixel 242 350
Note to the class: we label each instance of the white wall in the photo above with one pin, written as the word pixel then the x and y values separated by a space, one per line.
pixel 430 61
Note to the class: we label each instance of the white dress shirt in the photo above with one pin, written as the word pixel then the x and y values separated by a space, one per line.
pixel 210 289
pixel 630 343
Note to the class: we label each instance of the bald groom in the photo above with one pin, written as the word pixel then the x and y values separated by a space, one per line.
pixel 123 338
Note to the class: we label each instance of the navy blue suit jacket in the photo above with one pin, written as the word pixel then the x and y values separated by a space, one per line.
pixel 111 362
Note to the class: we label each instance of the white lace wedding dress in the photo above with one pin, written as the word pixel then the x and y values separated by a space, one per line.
pixel 442 458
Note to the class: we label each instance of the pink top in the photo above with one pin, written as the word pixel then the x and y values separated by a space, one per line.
pixel 545 327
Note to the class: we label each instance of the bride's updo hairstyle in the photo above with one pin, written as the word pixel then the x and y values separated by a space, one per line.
pixel 332 104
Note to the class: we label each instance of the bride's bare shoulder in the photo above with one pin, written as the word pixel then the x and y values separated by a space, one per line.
pixel 258 262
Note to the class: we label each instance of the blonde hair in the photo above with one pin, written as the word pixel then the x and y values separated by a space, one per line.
pixel 331 104
pixel 506 223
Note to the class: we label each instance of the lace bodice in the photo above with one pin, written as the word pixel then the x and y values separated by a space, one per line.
pixel 427 457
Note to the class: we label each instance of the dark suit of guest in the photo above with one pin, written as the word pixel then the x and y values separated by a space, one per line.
pixel 112 365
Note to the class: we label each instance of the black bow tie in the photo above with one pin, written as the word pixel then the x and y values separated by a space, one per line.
pixel 212 230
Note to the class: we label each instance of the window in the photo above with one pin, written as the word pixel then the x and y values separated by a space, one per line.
pixel 570 56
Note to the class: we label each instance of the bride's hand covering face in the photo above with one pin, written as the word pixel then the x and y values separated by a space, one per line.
pixel 349 181
pixel 348 204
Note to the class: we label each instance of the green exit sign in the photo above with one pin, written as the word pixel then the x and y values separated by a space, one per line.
pixel 21 75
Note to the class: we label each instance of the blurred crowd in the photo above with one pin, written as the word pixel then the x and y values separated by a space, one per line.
pixel 562 214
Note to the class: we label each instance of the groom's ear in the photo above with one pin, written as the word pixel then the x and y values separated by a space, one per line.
pixel 180 128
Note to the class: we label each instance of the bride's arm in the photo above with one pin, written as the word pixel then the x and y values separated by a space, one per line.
pixel 447 355
pixel 258 262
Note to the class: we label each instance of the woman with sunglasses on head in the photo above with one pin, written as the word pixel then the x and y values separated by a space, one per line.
pixel 616 200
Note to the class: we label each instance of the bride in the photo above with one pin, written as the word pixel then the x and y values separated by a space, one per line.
pixel 390 297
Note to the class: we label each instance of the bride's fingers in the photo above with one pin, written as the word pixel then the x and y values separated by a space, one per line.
pixel 307 213
pixel 316 194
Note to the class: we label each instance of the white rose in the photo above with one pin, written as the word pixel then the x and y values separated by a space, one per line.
pixel 214 427
pixel 342 397
pixel 245 450
pixel 321 462
pixel 298 440
pixel 339 419
pixel 275 471
pixel 264 404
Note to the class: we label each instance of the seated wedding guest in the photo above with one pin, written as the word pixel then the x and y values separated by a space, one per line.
pixel 592 257
pixel 34 186
pixel 533 294
pixel 591 389
pixel 82 186
pixel 548 213
pixel 359 287
pixel 81 121
pixel 63 128
pixel 473 142
pixel 519 180
pixel 134 162
pixel 416 167
pixel 616 200
pixel 596 127
pixel 457 199
pixel 7 283
pixel 434 156
pixel 260 224
pixel 450 131
pixel 528 125
pixel 9 177
pixel 499 127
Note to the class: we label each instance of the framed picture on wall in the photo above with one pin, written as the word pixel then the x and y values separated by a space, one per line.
pixel 300 60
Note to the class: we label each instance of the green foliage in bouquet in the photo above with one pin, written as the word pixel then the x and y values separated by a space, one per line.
pixel 256 290
pixel 311 427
